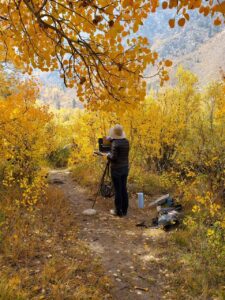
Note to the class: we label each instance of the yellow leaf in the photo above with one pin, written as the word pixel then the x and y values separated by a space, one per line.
pixel 172 23
pixel 168 63
pixel 181 22
pixel 164 5
pixel 217 22
pixel 219 7
pixel 187 17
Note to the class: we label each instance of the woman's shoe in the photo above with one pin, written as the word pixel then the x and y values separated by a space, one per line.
pixel 113 212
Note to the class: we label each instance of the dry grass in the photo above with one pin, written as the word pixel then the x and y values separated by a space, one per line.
pixel 196 269
pixel 41 256
pixel 151 184
pixel 87 175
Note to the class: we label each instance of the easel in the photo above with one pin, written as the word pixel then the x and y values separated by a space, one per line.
pixel 101 182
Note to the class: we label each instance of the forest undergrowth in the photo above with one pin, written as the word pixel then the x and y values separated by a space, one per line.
pixel 41 256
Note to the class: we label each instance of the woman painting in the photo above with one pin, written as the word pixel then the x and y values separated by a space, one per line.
pixel 119 162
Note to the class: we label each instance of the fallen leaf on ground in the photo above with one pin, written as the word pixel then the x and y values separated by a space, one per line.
pixel 141 288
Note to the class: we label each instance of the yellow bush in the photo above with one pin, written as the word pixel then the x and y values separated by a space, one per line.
pixel 25 138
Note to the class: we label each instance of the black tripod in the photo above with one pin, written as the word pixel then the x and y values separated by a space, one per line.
pixel 101 184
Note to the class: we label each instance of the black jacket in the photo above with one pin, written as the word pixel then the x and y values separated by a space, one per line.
pixel 119 155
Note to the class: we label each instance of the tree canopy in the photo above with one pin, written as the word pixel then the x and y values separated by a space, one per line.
pixel 92 42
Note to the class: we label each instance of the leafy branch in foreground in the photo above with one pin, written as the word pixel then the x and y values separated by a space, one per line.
pixel 88 41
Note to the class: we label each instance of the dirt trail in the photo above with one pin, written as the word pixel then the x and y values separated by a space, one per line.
pixel 133 257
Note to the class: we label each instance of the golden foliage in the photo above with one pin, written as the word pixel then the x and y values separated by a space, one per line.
pixel 24 138
pixel 174 129
pixel 179 133
pixel 85 40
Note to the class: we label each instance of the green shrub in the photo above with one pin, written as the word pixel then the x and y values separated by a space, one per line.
pixel 149 183
pixel 87 175
pixel 59 158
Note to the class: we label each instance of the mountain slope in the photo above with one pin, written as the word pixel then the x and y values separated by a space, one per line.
pixel 207 61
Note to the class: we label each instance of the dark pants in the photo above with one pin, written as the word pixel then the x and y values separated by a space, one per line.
pixel 119 178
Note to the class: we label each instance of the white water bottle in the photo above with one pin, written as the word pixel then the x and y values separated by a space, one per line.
pixel 140 200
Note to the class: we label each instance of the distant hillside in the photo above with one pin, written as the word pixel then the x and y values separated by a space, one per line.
pixel 207 61
pixel 199 46
pixel 179 40
pixel 54 92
